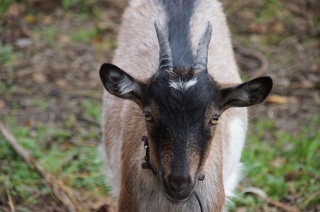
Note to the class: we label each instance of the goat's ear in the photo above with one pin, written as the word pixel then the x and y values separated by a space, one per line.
pixel 246 94
pixel 119 83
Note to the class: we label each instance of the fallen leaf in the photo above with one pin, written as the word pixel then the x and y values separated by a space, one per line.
pixel 47 20
pixel 277 99
pixel 14 10
pixel 277 28
pixel 2 104
pixel 39 77
pixel 97 41
pixel 25 33
pixel 241 209
pixel 258 28
pixel 62 82
pixel 30 19
pixel 278 162
pixel 63 38
pixel 293 175
pixel 314 67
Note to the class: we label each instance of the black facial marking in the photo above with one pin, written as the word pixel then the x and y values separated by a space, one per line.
pixel 179 14
pixel 181 124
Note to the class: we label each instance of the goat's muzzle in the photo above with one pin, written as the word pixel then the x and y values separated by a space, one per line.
pixel 178 187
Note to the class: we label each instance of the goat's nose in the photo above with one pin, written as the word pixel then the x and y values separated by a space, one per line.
pixel 179 183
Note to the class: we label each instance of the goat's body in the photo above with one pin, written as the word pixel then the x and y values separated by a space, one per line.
pixel 137 189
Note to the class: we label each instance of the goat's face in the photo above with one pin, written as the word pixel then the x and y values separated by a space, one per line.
pixel 181 109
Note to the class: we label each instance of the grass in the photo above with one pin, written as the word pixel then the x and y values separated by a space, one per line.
pixel 8 57
pixel 287 166
pixel 4 4
pixel 60 151
pixel 82 5
pixel 84 35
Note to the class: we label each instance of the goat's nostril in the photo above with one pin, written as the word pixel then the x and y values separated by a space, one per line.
pixel 178 183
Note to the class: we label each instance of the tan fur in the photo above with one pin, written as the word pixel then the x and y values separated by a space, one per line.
pixel 137 54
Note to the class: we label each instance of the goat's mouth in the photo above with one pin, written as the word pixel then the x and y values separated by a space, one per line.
pixel 178 194
pixel 178 197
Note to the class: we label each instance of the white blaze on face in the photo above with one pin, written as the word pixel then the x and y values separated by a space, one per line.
pixel 183 85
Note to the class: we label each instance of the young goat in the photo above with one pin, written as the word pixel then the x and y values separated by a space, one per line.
pixel 190 110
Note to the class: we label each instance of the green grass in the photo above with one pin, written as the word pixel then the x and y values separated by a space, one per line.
pixel 271 9
pixel 4 4
pixel 82 5
pixel 84 35
pixel 60 150
pixel 286 166
pixel 8 57
pixel 47 33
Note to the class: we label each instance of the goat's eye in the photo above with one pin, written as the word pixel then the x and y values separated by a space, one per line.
pixel 214 120
pixel 148 116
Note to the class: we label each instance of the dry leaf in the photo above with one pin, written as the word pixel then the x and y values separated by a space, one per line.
pixel 278 162
pixel 97 41
pixel 258 28
pixel 39 77
pixel 314 67
pixel 277 28
pixel 47 20
pixel 14 10
pixel 241 209
pixel 62 82
pixel 63 38
pixel 277 99
pixel 25 33
pixel 30 19
pixel 2 104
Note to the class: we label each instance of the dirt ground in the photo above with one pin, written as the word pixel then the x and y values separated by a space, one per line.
pixel 64 72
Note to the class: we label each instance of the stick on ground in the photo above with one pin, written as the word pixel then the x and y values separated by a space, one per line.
pixel 63 192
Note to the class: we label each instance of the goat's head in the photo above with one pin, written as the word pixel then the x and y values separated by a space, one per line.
pixel 182 108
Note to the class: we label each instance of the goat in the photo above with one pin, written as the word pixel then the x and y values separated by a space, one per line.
pixel 187 100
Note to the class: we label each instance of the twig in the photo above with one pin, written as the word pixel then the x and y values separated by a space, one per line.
pixel 280 205
pixel 10 200
pixel 260 193
pixel 63 192
pixel 249 53
pixel 310 198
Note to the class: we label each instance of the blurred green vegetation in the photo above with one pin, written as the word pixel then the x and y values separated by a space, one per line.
pixel 4 4
pixel 82 5
pixel 59 151
pixel 286 166
pixel 8 57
